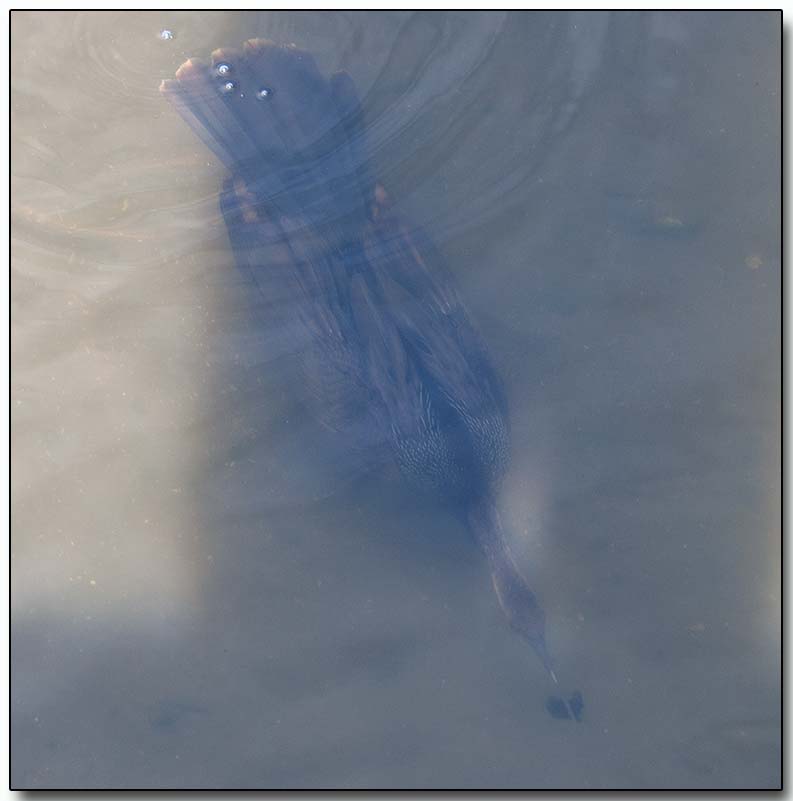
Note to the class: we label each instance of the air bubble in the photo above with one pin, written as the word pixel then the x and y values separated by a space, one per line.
pixel 263 93
pixel 223 69
pixel 166 35
pixel 227 87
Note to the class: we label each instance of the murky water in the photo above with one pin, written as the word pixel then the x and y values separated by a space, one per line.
pixel 207 593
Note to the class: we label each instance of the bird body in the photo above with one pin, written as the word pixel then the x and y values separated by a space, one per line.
pixel 393 358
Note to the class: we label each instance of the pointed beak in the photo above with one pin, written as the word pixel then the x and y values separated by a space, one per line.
pixel 541 650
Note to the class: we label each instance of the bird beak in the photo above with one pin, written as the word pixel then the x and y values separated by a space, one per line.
pixel 541 650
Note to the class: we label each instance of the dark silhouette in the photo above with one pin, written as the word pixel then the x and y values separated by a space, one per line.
pixel 393 358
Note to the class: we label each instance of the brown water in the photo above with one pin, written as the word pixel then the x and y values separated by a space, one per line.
pixel 206 595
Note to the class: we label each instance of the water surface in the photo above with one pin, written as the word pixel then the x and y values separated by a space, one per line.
pixel 205 593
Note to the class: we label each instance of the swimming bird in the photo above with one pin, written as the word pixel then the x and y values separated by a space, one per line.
pixel 393 358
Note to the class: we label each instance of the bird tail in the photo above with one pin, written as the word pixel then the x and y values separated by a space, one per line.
pixel 274 121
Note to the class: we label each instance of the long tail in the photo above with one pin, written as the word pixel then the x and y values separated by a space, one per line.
pixel 294 137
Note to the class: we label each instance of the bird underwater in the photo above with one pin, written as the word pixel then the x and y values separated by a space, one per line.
pixel 393 356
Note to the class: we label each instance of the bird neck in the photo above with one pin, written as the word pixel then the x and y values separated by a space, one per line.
pixel 516 598
pixel 485 523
